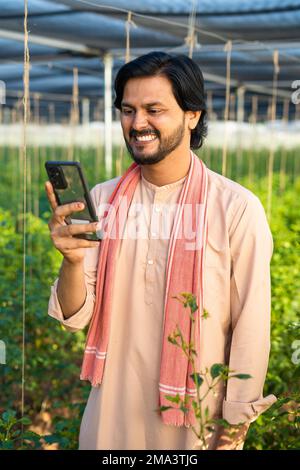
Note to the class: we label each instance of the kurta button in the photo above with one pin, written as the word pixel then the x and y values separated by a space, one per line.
pixel 150 261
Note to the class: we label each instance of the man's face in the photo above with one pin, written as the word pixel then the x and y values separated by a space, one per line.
pixel 153 123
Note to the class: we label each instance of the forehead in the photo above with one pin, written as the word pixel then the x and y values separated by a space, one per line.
pixel 143 90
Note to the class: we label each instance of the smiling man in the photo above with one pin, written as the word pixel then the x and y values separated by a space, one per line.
pixel 218 247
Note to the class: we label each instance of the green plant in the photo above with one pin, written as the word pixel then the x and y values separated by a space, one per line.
pixel 218 373
pixel 13 434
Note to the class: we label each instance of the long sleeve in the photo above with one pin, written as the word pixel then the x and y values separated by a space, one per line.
pixel 81 318
pixel 251 251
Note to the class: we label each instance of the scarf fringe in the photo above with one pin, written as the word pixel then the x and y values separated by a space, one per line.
pixel 92 369
pixel 174 416
pixel 177 418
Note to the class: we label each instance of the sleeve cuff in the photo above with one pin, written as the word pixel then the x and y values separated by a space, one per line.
pixel 237 412
pixel 77 321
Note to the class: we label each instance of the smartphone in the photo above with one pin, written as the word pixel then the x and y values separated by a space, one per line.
pixel 69 185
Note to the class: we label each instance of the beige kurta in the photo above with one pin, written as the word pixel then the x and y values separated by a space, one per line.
pixel 120 414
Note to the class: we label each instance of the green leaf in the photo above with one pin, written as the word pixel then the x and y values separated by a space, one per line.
pixel 8 415
pixel 7 445
pixel 51 439
pixel 210 428
pixel 196 377
pixel 165 408
pixel 195 405
pixel 184 409
pixel 241 376
pixel 221 422
pixel 193 305
pixel 216 370
pixel 30 435
pixel 205 314
pixel 188 300
pixel 172 340
pixel 173 399
pixel 25 420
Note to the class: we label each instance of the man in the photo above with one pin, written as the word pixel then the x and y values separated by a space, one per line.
pixel 128 284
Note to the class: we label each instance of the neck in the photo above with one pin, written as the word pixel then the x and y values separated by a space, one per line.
pixel 169 170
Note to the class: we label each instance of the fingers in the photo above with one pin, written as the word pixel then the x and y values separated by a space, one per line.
pixel 65 245
pixel 76 229
pixel 50 195
pixel 81 243
pixel 63 210
pixel 67 209
pixel 60 212
pixel 66 237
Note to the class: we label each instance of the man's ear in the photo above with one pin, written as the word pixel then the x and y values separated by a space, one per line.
pixel 193 119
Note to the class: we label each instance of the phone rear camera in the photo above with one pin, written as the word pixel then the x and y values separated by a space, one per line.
pixel 57 178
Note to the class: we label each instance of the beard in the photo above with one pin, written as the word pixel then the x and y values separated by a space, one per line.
pixel 166 146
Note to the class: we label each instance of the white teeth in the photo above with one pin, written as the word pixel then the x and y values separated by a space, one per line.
pixel 146 138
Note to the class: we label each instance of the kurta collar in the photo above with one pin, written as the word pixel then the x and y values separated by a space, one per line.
pixel 166 187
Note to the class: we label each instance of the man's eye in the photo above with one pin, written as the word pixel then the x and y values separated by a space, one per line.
pixel 126 111
pixel 154 111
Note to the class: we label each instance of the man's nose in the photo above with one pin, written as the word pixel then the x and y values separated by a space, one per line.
pixel 140 121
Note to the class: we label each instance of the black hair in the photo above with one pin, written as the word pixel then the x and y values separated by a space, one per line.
pixel 186 79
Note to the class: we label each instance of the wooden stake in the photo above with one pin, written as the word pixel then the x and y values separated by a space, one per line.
pixel 272 149
pixel 128 24
pixel 228 49
pixel 252 157
pixel 283 156
pixel 24 161
pixel 74 114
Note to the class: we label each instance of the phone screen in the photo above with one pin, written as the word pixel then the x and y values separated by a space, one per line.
pixel 73 191
pixel 69 185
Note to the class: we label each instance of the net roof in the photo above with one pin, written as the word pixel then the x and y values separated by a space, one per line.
pixel 64 34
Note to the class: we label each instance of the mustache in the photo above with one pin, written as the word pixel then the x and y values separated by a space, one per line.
pixel 134 133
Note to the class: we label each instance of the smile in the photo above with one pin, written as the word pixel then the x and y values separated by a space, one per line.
pixel 145 138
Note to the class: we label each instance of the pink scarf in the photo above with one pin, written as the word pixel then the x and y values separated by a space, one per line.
pixel 184 273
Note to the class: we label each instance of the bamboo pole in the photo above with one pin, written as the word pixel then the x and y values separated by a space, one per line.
pixel 74 114
pixel 254 109
pixel 272 149
pixel 108 67
pixel 24 161
pixel 128 24
pixel 240 119
pixel 251 168
pixel 51 113
pixel 283 156
pixel 296 168
pixel 210 117
pixel 14 154
pixel 98 154
pixel 36 158
pixel 191 39
pixel 228 49
pixel 19 119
